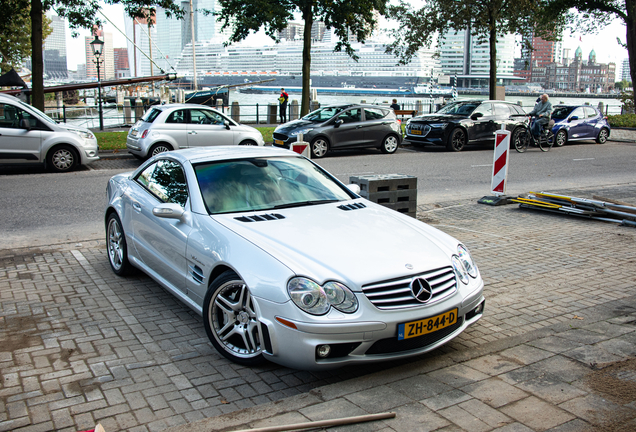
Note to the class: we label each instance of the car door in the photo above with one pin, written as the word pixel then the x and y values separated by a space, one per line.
pixel 502 117
pixel 18 145
pixel 484 124
pixel 207 128
pixel 349 133
pixel 376 126
pixel 591 118
pixel 159 242
pixel 577 125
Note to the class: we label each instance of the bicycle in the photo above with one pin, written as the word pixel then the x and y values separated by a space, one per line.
pixel 522 138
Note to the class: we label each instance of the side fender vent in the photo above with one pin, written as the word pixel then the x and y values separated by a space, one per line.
pixel 354 206
pixel 260 218
pixel 196 273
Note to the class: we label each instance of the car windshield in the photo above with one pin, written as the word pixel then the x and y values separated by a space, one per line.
pixel 265 184
pixel 561 113
pixel 41 116
pixel 459 108
pixel 323 114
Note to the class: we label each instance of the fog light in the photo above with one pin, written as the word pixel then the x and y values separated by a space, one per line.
pixel 323 350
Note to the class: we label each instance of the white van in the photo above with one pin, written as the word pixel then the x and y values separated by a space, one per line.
pixel 27 135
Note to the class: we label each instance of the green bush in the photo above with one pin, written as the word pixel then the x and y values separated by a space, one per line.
pixel 623 120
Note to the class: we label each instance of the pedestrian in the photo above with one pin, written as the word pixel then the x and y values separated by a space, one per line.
pixel 282 101
pixel 541 111
pixel 395 105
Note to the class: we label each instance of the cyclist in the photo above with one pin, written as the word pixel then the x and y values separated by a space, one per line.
pixel 541 111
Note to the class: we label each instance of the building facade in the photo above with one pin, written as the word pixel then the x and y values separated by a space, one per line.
pixel 107 60
pixel 54 46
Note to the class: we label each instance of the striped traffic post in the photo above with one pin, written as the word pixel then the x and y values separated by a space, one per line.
pixel 499 169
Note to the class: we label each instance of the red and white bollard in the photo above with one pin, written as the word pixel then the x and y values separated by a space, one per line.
pixel 499 169
pixel 301 147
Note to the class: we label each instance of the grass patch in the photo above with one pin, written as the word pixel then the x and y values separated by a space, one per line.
pixel 117 140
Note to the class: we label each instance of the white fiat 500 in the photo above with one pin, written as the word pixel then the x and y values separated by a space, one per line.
pixel 285 263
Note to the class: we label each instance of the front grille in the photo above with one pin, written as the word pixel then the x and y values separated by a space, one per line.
pixel 396 293
pixel 424 128
pixel 393 345
pixel 280 136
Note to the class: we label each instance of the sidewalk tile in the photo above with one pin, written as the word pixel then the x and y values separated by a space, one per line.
pixel 597 410
pixel 378 399
pixel 494 392
pixel 458 375
pixel 536 414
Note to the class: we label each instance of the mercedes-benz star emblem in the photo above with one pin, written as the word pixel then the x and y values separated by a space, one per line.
pixel 421 290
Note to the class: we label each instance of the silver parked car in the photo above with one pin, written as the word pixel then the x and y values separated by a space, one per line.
pixel 28 136
pixel 178 126
pixel 282 260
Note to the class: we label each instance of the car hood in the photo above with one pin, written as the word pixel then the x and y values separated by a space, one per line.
pixel 72 128
pixel 295 125
pixel 356 247
pixel 438 118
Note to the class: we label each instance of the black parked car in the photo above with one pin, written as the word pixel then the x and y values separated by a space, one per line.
pixel 343 126
pixel 465 122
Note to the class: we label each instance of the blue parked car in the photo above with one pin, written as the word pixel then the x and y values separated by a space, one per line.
pixel 575 123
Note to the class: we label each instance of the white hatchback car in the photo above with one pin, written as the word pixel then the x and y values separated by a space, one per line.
pixel 28 136
pixel 178 126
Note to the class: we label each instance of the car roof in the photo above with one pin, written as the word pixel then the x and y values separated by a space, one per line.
pixel 180 105
pixel 349 105
pixel 220 153
pixel 481 101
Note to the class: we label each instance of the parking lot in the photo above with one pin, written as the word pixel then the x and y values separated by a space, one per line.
pixel 81 345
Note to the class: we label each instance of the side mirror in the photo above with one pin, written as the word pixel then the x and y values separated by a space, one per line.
pixel 227 124
pixel 476 116
pixel 573 118
pixel 24 124
pixel 168 211
pixel 355 188
pixel 338 122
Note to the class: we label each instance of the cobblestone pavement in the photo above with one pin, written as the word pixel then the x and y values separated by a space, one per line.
pixel 79 345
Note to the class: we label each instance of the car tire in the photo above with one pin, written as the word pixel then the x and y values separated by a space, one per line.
pixel 319 147
pixel 456 140
pixel 561 138
pixel 158 148
pixel 231 322
pixel 517 136
pixel 602 136
pixel 62 158
pixel 390 144
pixel 116 246
pixel 247 143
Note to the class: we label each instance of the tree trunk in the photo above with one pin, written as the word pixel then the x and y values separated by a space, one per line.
pixel 493 59
pixel 308 16
pixel 630 23
pixel 37 65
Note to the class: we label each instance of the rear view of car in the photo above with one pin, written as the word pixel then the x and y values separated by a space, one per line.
pixel 177 126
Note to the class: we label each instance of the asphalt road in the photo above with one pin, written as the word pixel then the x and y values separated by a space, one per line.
pixel 40 208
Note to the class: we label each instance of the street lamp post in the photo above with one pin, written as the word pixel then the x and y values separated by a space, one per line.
pixel 98 47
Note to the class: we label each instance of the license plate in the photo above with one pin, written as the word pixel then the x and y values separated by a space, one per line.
pixel 416 132
pixel 133 132
pixel 427 325
pixel 279 142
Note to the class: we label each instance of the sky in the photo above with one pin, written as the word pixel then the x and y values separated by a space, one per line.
pixel 604 43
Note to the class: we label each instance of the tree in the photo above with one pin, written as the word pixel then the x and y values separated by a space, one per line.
pixel 79 13
pixel 15 25
pixel 594 15
pixel 346 17
pixel 485 19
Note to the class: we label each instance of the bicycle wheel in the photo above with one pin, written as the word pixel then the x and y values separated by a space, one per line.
pixel 521 138
pixel 546 141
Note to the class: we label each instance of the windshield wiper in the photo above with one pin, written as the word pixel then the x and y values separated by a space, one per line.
pixel 304 203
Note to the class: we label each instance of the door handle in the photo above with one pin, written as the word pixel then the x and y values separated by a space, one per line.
pixel 192 133
pixel 137 207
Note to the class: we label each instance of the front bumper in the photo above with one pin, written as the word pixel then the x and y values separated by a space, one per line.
pixel 360 341
pixel 423 133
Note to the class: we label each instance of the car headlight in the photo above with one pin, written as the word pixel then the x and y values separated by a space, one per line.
pixel 83 134
pixel 303 131
pixel 467 261
pixel 438 125
pixel 316 300
pixel 408 122
pixel 460 271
